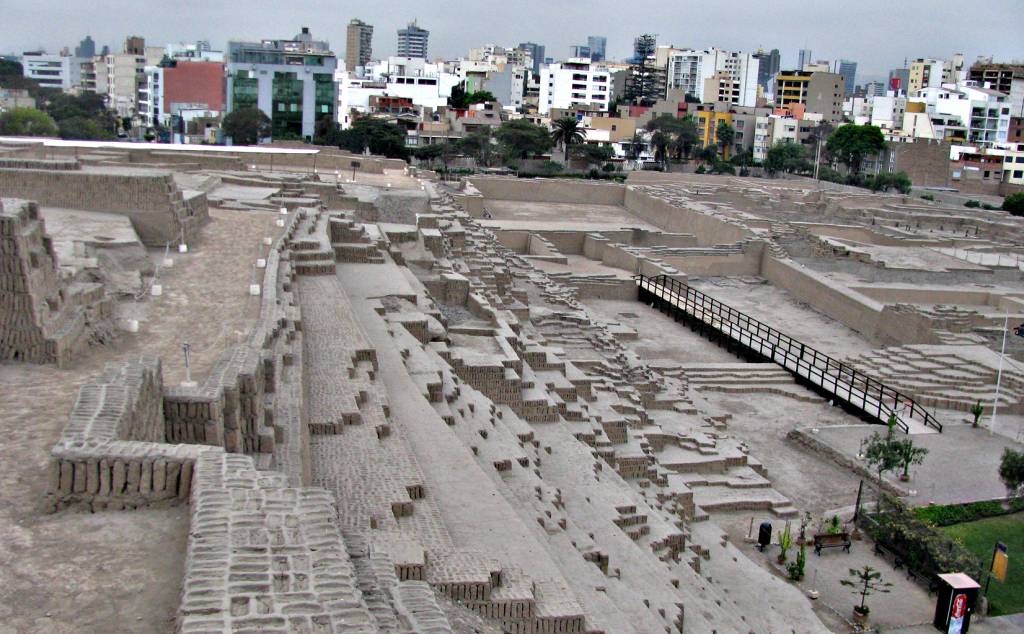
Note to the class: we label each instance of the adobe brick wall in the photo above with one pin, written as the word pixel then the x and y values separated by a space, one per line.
pixel 151 200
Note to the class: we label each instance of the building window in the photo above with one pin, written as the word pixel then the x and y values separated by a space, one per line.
pixel 244 90
pixel 286 96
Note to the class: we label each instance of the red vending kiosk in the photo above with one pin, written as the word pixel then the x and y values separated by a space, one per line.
pixel 957 596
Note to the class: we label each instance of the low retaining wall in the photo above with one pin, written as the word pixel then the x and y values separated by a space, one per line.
pixel 549 190
pixel 855 311
pixel 708 229
pixel 150 199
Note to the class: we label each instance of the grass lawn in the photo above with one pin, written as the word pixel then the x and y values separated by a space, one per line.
pixel 980 536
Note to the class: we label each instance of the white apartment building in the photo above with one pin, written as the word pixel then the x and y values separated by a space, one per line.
pixel 425 83
pixel 574 82
pixel 62 72
pixel 984 112
pixel 688 70
pixel 772 129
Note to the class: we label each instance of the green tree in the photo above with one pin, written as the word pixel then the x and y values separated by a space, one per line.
pixel 660 141
pixel 480 96
pixel 784 157
pixel 379 136
pixel 429 153
pixel 865 582
pixel 84 129
pixel 708 154
pixel 567 132
pixel 326 130
pixel 908 455
pixel 850 143
pixel 681 133
pixel 977 410
pixel 1014 203
pixel 478 144
pixel 725 134
pixel 1011 472
pixel 881 455
pixel 635 147
pixel 593 154
pixel 27 122
pixel 246 126
pixel 884 181
pixel 522 138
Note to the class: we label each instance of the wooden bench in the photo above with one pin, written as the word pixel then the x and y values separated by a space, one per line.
pixel 831 540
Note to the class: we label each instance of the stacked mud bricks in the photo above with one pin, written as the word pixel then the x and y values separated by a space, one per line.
pixel 36 325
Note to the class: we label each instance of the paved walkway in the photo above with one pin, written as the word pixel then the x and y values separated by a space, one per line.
pixel 962 464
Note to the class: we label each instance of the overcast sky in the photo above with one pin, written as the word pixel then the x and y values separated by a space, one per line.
pixel 878 34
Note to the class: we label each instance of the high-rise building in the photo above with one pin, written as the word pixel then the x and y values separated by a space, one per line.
pixel 803 57
pixel 536 52
pixel 689 70
pixel 574 83
pixel 358 44
pixel 579 51
pixel 817 91
pixel 51 71
pixel 412 41
pixel 848 70
pixel 768 67
pixel 597 45
pixel 86 48
pixel 292 81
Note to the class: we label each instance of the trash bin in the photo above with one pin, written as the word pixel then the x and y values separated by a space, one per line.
pixel 764 535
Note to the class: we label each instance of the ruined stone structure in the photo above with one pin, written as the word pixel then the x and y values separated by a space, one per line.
pixel 440 409
pixel 43 319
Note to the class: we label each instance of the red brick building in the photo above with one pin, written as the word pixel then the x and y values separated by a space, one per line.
pixel 193 86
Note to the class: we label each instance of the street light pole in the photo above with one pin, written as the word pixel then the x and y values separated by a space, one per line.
pixel 999 376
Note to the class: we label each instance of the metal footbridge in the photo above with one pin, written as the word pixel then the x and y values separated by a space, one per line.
pixel 866 396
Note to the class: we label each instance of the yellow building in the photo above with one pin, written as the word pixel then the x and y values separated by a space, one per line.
pixel 707 127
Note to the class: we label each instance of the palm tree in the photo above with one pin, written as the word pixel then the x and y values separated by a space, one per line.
pixel 567 132
pixel 660 142
pixel 725 135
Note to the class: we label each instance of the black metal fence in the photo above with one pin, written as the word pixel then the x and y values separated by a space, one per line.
pixel 838 379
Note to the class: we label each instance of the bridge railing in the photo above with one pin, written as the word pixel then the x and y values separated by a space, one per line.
pixel 844 381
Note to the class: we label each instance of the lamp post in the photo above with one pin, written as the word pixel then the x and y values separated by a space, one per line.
pixel 999 376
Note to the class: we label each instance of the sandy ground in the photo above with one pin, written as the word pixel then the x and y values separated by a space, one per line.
pixel 777 308
pixel 74 572
pixel 513 214
pixel 949 474
pixel 581 265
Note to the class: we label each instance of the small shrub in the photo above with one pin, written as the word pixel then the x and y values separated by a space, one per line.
pixel 927 197
pixel 833 526
pixel 700 170
pixel 1014 203
pixel 973 204
pixel 609 167
pixel 796 568
pixel 988 207
pixel 550 167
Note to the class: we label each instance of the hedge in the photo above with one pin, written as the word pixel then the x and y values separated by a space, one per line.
pixel 960 513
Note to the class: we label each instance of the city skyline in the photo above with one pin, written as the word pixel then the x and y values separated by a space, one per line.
pixel 877 45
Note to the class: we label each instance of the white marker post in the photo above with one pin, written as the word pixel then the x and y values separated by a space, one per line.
pixel 188 382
